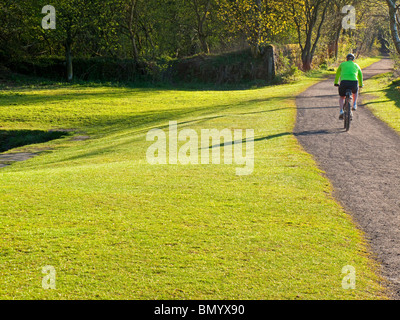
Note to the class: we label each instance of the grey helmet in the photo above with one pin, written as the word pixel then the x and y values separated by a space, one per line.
pixel 351 56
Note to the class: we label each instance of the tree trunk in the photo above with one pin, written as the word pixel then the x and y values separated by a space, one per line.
pixel 201 19
pixel 132 25
pixel 337 37
pixel 307 61
pixel 135 51
pixel 68 57
pixel 203 43
pixel 310 46
pixel 393 24
pixel 256 52
pixel 306 57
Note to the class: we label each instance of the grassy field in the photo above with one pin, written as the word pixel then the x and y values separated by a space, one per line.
pixel 115 227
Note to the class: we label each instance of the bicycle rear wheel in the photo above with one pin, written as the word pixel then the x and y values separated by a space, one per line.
pixel 347 115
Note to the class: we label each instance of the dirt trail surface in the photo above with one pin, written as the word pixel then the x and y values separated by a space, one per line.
pixel 363 166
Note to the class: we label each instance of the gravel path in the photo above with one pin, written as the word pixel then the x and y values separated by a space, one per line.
pixel 363 166
pixel 9 158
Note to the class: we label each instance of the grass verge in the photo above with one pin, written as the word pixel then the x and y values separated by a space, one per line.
pixel 383 99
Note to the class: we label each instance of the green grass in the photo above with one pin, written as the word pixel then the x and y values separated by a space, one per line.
pixel 115 227
pixel 383 99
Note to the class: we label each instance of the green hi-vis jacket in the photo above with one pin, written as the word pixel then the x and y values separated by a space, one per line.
pixel 350 71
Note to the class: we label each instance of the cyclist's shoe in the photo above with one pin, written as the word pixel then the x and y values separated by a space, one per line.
pixel 341 116
pixel 355 107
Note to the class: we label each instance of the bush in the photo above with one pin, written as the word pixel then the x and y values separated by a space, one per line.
pixel 229 68
pixel 96 69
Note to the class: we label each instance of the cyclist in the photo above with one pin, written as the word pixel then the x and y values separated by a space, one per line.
pixel 351 77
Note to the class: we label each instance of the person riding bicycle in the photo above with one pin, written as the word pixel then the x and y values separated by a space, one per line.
pixel 351 77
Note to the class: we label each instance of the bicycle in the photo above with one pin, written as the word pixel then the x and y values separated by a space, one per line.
pixel 347 114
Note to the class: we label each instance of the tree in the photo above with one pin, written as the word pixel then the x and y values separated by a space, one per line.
pixel 335 26
pixel 70 19
pixel 83 23
pixel 18 29
pixel 259 20
pixel 394 22
pixel 202 10
pixel 131 14
pixel 372 25
pixel 308 17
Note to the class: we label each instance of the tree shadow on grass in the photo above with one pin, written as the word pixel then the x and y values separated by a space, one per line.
pixel 10 139
pixel 392 93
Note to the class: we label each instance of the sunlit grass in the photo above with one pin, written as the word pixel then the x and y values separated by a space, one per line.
pixel 383 99
pixel 115 227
